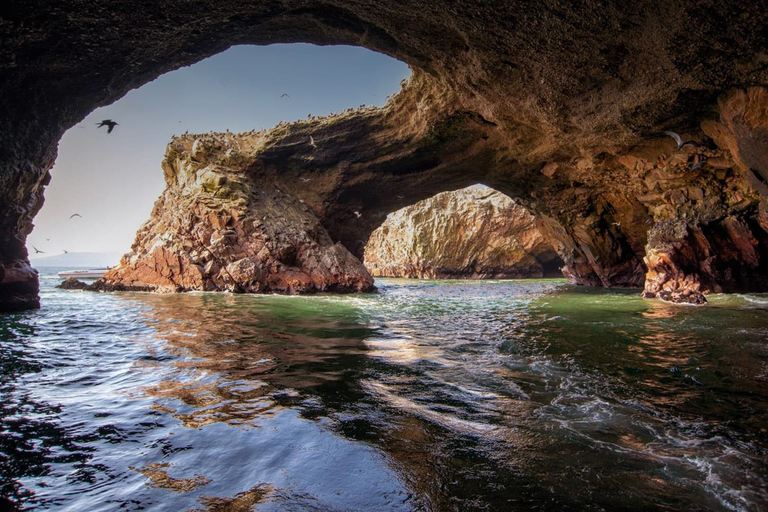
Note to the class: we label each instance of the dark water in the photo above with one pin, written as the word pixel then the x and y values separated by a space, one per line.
pixel 528 395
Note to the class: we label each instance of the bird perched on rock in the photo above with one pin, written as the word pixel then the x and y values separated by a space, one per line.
pixel 681 142
pixel 110 124
pixel 75 215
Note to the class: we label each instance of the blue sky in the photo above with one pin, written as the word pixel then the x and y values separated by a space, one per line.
pixel 112 180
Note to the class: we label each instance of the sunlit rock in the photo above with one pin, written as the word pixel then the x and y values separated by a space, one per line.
pixel 217 228
pixel 475 232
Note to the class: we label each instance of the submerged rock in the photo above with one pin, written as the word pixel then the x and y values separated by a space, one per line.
pixel 216 227
pixel 475 232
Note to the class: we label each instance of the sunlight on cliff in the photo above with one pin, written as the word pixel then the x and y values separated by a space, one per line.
pixel 111 180
pixel 475 232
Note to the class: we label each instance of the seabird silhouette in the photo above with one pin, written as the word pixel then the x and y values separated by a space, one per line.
pixel 681 142
pixel 37 251
pixel 65 251
pixel 312 142
pixel 75 215
pixel 305 180
pixel 284 95
pixel 357 214
pixel 110 124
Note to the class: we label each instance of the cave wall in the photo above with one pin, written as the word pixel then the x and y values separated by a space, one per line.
pixel 538 100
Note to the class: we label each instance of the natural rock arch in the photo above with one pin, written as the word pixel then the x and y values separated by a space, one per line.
pixel 559 105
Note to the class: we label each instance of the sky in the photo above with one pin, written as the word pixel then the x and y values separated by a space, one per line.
pixel 112 180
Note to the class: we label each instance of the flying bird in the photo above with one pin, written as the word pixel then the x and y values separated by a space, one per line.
pixel 698 164
pixel 75 215
pixel 305 180
pixel 357 214
pixel 284 95
pixel 37 251
pixel 110 124
pixel 681 142
pixel 312 142
pixel 65 251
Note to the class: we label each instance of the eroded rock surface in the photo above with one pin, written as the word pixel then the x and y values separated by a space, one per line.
pixel 474 232
pixel 559 105
pixel 217 228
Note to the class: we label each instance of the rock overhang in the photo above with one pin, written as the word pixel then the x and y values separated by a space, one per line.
pixel 560 82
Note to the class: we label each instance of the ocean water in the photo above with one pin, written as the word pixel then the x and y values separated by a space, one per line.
pixel 429 395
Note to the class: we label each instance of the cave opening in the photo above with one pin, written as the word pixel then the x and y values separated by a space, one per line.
pixel 471 233
pixel 104 183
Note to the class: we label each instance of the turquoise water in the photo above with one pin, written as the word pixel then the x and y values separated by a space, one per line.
pixel 429 395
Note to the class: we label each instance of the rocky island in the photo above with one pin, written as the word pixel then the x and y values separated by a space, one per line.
pixel 475 232
pixel 216 227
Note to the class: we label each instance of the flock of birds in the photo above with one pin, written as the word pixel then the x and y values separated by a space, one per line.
pixel 38 251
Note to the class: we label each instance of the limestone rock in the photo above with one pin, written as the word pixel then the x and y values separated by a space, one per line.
pixel 217 228
pixel 475 232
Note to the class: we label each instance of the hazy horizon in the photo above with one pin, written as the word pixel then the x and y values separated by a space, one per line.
pixel 112 180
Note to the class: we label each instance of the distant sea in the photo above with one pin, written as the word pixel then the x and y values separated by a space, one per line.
pixel 78 260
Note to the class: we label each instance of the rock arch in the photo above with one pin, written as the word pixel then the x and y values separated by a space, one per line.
pixel 559 105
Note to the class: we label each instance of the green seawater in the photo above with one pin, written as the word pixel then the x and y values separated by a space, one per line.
pixel 428 395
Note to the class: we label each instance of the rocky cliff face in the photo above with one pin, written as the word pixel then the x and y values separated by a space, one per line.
pixel 559 105
pixel 217 228
pixel 474 232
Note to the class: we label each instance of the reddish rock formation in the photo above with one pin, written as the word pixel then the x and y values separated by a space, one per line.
pixel 711 229
pixel 474 232
pixel 559 105
pixel 217 228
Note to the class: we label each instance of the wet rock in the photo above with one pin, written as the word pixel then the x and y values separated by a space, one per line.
pixel 475 232
pixel 71 283
pixel 18 286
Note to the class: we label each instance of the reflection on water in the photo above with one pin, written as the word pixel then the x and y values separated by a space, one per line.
pixel 527 395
